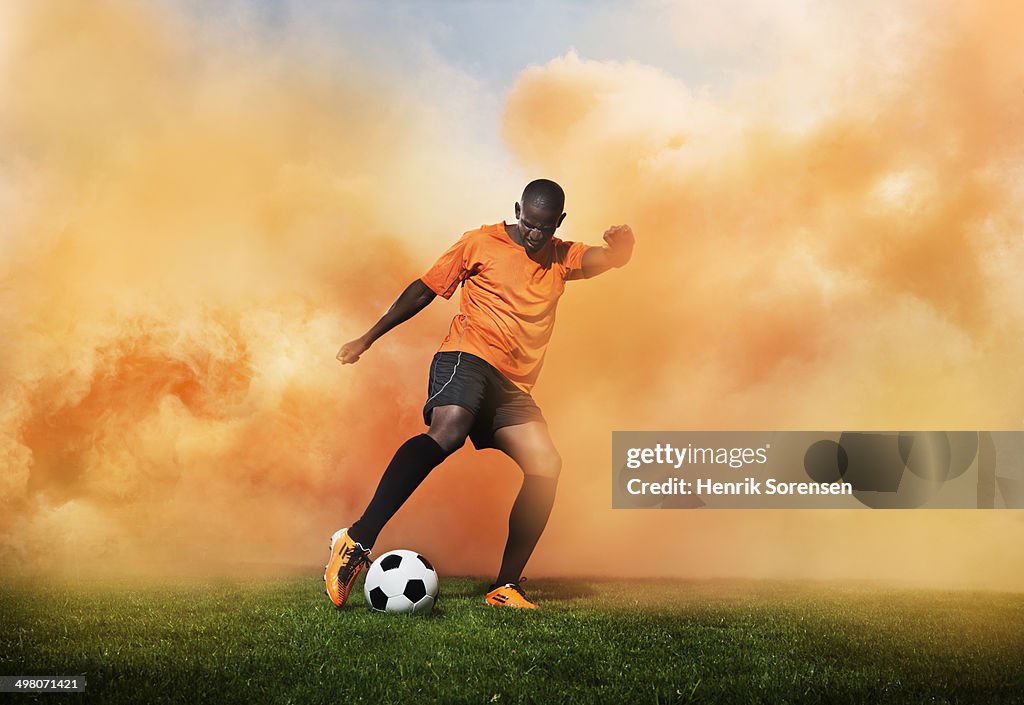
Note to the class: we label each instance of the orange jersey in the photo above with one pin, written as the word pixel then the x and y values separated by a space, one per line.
pixel 508 300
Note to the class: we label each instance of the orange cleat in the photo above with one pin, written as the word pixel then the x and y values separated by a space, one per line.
pixel 341 571
pixel 509 595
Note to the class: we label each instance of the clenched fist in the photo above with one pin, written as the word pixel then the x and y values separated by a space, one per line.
pixel 351 351
pixel 620 244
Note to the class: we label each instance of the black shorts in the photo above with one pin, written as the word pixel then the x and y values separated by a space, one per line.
pixel 468 381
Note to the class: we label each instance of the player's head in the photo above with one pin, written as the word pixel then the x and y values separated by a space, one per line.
pixel 539 213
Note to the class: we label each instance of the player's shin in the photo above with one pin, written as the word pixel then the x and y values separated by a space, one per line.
pixel 526 523
pixel 411 464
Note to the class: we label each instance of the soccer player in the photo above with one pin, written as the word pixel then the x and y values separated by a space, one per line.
pixel 512 276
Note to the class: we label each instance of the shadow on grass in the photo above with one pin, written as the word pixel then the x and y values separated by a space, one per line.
pixel 467 588
pixel 554 590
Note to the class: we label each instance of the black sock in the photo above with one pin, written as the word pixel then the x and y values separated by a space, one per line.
pixel 413 461
pixel 525 525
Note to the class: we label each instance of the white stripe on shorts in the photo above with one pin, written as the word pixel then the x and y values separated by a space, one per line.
pixel 465 324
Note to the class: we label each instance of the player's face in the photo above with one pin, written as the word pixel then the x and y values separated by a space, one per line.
pixel 537 225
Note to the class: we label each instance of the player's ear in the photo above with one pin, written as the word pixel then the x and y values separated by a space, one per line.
pixel 560 219
pixel 517 210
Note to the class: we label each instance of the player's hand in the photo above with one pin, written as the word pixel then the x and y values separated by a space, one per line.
pixel 351 351
pixel 620 241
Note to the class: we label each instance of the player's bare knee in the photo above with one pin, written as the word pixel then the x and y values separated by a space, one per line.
pixel 449 427
pixel 450 434
pixel 449 439
pixel 549 466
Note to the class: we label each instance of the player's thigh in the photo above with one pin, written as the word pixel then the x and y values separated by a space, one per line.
pixel 530 445
pixel 449 426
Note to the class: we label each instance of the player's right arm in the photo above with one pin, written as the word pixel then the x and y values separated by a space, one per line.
pixel 410 302
pixel 450 270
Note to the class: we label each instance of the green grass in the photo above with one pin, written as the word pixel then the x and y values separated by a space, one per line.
pixel 279 641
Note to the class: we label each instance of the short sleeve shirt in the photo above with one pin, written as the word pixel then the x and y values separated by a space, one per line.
pixel 508 302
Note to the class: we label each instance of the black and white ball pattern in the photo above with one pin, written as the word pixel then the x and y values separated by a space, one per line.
pixel 401 581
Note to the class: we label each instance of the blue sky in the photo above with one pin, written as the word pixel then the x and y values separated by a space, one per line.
pixel 494 41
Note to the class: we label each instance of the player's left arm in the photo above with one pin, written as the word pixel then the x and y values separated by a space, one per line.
pixel 616 253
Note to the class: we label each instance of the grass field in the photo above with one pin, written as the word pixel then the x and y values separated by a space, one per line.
pixel 280 641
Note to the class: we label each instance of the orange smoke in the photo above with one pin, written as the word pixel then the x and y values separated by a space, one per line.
pixel 829 245
pixel 193 224
pixel 195 218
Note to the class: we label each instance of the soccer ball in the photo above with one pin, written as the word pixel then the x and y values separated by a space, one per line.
pixel 401 582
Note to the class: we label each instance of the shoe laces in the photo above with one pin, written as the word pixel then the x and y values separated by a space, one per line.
pixel 353 560
pixel 517 587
